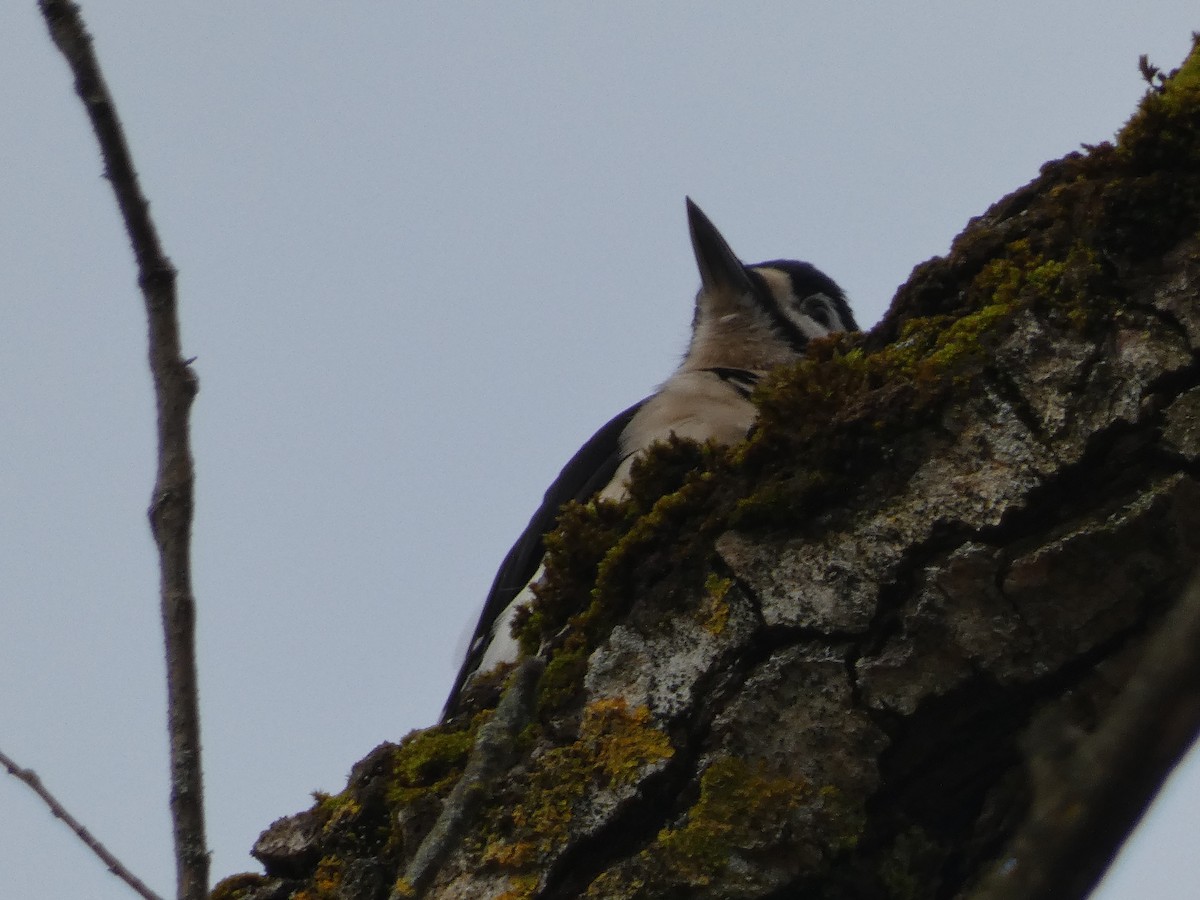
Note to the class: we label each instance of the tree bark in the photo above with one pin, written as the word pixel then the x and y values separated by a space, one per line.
pixel 894 644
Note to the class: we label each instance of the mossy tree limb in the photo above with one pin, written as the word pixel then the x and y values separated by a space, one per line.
pixel 844 659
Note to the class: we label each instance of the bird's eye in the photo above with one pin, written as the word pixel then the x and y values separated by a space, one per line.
pixel 816 307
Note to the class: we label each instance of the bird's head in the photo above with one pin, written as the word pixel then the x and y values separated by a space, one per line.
pixel 757 316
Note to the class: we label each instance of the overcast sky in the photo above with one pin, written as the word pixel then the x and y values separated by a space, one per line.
pixel 424 251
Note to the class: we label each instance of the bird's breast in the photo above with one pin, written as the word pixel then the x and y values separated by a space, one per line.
pixel 697 405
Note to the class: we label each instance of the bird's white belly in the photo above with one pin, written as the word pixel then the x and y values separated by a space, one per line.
pixel 502 646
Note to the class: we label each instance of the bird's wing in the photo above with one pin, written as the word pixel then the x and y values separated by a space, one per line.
pixel 588 472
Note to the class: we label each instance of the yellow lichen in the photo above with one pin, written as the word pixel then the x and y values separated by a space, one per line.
pixel 741 809
pixel 614 748
pixel 715 612
pixel 325 883
pixel 523 887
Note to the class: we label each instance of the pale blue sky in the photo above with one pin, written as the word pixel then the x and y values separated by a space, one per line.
pixel 425 250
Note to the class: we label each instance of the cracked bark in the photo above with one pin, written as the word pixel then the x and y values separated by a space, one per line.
pixel 862 656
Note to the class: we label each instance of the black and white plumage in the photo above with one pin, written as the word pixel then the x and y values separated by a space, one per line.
pixel 747 321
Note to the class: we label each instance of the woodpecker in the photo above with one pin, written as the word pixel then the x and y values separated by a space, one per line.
pixel 747 321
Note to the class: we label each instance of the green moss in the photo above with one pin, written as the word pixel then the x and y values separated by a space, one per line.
pixel 779 502
pixel 336 810
pixel 574 550
pixel 670 538
pixel 740 808
pixel 614 747
pixel 428 763
pixel 1163 130
pixel 933 351
pixel 603 554
pixel 1181 93
pixel 563 674
pixel 827 420
pixel 238 887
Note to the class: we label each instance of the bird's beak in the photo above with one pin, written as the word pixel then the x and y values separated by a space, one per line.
pixel 719 268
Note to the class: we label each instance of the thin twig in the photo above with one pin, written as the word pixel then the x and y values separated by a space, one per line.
pixel 170 510
pixel 114 865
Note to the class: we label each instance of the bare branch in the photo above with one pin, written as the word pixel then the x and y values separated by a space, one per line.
pixel 171 507
pixel 114 865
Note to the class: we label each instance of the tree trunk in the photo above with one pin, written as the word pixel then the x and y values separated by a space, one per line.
pixel 893 646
